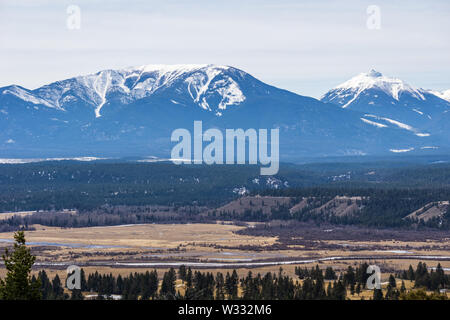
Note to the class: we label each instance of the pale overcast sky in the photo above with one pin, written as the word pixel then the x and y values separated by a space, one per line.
pixel 303 46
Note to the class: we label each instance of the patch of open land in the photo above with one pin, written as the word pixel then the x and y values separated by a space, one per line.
pixel 216 246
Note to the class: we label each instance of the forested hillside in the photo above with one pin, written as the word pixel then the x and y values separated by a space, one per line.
pixel 102 192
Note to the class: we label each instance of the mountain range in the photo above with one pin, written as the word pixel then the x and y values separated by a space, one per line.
pixel 132 112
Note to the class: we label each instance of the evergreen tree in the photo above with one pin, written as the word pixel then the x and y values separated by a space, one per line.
pixel 76 295
pixel 392 293
pixel 329 291
pixel 57 289
pixel 18 263
pixel 231 285
pixel 46 286
pixel 339 292
pixel 330 274
pixel 220 286
pixel 119 284
pixel 182 272
pixel 352 289
pixel 83 283
pixel 403 288
pixel 349 277
pixel 358 288
pixel 392 281
pixel 377 294
pixel 168 285
pixel 410 274
pixel 189 278
pixel 149 285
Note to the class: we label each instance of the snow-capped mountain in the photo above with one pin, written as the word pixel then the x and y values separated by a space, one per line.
pixel 132 112
pixel 348 92
pixel 213 88
pixel 390 102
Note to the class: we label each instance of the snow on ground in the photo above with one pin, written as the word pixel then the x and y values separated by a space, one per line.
pixel 401 150
pixel 442 94
pixel 19 161
pixel 376 124
pixel 399 124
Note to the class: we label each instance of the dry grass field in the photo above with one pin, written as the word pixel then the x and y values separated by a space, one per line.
pixel 211 247
pixel 7 215
pixel 145 236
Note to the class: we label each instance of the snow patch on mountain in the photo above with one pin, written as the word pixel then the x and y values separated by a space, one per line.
pixel 418 111
pixel 100 86
pixel 32 160
pixel 401 150
pixel 28 97
pixel 429 147
pixel 398 124
pixel 445 95
pixel 376 124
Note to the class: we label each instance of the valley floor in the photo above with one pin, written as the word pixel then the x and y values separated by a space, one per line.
pixel 216 246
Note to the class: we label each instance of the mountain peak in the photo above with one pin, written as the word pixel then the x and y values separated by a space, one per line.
pixel 178 68
pixel 389 102
pixel 375 80
pixel 211 87
pixel 374 73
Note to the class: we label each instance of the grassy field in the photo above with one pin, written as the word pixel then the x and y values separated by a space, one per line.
pixel 142 247
pixel 144 236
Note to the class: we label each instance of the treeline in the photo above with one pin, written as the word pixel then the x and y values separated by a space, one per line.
pixel 106 216
pixel 379 207
pixel 433 280
pixel 90 187
pixel 86 186
pixel 197 286
pixel 314 284
pixel 353 279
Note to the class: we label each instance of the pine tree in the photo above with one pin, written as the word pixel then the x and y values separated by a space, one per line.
pixel 410 274
pixel 83 283
pixel 168 284
pixel 403 288
pixel 330 274
pixel 392 281
pixel 76 295
pixel 377 294
pixel 46 286
pixel 231 285
pixel 220 286
pixel 358 288
pixel 57 289
pixel 145 287
pixel 189 278
pixel 329 291
pixel 352 289
pixel 182 272
pixel 339 291
pixel 18 263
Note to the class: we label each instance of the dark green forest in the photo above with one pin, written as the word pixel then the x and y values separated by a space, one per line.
pixel 315 284
pixel 96 189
